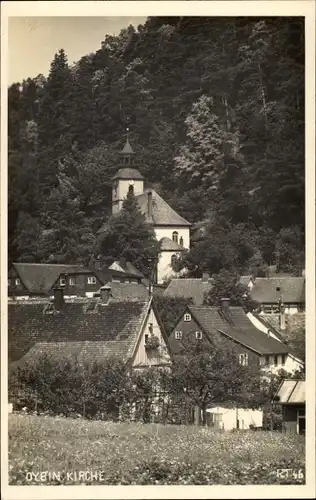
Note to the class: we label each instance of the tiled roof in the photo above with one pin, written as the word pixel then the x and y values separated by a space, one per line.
pixel 189 288
pixel 82 324
pixel 40 278
pixel 127 148
pixel 294 333
pixel 291 391
pixel 128 173
pixel 162 213
pixel 126 268
pixel 292 290
pixel 128 291
pixel 168 244
pixel 237 325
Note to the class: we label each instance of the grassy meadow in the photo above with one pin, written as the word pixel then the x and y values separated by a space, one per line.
pixel 134 453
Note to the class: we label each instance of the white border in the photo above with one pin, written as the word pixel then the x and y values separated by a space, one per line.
pixel 216 8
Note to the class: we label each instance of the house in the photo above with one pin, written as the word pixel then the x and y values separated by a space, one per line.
pixel 213 324
pixel 90 329
pixel 269 292
pixel 27 280
pixel 290 331
pixel 190 288
pixel 171 230
pixel 34 280
pixel 291 396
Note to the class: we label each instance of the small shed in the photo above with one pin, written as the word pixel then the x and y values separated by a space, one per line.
pixel 291 396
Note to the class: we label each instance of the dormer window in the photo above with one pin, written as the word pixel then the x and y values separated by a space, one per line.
pixel 178 335
pixel 91 280
pixel 187 317
pixel 175 236
pixel 62 281
pixel 198 335
pixel 72 281
pixel 18 281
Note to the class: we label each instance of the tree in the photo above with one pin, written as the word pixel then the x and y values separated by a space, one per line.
pixel 208 375
pixel 170 309
pixel 129 236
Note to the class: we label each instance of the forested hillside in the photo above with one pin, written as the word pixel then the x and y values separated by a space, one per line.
pixel 215 108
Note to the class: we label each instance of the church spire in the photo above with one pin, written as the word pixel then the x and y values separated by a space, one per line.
pixel 127 151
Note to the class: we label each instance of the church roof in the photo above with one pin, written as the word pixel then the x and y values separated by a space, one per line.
pixel 162 213
pixel 128 173
pixel 168 244
pixel 127 150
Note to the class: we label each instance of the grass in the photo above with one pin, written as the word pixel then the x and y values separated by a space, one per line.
pixel 135 453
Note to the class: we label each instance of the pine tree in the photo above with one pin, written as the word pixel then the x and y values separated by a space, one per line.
pixel 129 236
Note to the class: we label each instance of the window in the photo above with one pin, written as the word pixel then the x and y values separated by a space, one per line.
pixel 91 280
pixel 150 328
pixel 72 281
pixel 267 359
pixel 275 360
pixel 262 361
pixel 198 335
pixel 283 359
pixel 175 236
pixel 62 281
pixel 146 338
pixel 18 281
pixel 243 359
pixel 187 317
pixel 173 260
pixel 131 189
pixel 181 241
pixel 178 335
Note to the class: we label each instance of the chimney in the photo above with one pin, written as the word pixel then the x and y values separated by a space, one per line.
pixel 205 277
pixel 105 294
pixel 97 264
pixel 225 304
pixel 150 205
pixel 59 298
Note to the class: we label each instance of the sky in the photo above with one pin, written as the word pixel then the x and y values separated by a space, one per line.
pixel 33 41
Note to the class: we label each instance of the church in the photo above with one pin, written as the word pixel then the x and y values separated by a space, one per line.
pixel 171 230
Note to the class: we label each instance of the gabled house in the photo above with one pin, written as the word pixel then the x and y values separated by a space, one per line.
pixel 269 292
pixel 38 280
pixel 291 396
pixel 27 280
pixel 90 329
pixel 213 324
pixel 171 230
pixel 194 289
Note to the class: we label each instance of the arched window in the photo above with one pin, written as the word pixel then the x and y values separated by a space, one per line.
pixel 175 236
pixel 131 189
pixel 173 260
pixel 181 241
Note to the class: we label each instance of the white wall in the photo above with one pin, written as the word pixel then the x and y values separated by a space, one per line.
pixel 166 231
pixel 143 357
pixel 291 364
pixel 246 417
pixel 289 309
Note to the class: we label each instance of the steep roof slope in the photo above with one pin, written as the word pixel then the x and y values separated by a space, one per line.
pixel 292 289
pixel 162 213
pixel 84 325
pixel 236 325
pixel 189 288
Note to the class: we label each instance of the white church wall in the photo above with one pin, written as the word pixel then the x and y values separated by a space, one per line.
pixel 167 231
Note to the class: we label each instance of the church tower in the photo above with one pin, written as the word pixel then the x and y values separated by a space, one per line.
pixel 127 179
